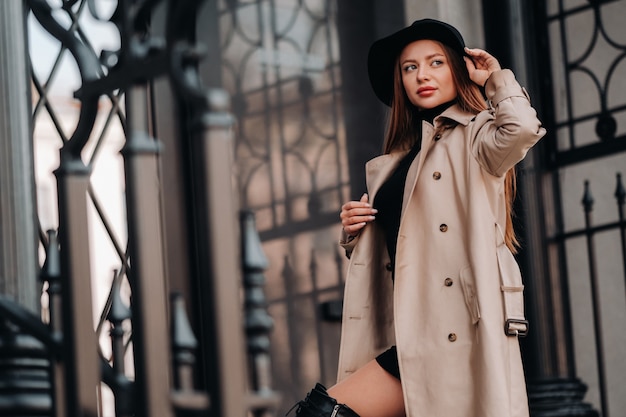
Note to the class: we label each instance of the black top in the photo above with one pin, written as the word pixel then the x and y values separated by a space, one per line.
pixel 388 199
pixel 388 202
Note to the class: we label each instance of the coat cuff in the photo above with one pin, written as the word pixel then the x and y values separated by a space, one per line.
pixel 348 242
pixel 502 85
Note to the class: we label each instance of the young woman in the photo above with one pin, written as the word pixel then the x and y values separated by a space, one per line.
pixel 433 301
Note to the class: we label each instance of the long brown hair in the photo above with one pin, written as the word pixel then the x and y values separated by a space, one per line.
pixel 403 125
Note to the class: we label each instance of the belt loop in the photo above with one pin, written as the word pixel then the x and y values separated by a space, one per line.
pixel 515 323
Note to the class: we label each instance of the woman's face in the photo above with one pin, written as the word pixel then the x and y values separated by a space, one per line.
pixel 426 74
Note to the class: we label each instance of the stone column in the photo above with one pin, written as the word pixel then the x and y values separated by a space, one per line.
pixel 24 377
pixel 18 232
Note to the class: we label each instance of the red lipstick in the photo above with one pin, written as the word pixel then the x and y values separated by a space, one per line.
pixel 426 91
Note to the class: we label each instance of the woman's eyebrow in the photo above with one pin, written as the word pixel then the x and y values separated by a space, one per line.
pixel 431 56
pixel 436 54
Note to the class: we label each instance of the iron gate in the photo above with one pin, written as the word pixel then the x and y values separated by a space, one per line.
pixel 587 51
pixel 280 63
pixel 104 249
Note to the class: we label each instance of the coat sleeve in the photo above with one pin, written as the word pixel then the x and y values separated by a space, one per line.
pixel 509 128
pixel 348 242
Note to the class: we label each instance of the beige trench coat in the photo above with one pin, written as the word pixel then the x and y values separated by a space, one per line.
pixel 446 311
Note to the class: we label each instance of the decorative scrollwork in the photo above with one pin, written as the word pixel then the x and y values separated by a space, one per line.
pixel 593 57
pixel 88 66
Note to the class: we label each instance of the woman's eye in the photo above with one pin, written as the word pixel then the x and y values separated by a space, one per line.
pixel 437 62
pixel 408 68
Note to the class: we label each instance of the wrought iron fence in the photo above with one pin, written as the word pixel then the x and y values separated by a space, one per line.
pixel 148 361
pixel 587 237
pixel 281 63
pixel 587 49
pixel 585 68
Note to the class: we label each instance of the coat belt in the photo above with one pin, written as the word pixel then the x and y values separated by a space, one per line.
pixel 515 323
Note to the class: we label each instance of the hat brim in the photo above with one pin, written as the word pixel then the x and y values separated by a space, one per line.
pixel 384 52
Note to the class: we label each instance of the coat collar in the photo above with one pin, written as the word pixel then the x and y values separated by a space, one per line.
pixel 456 114
pixel 378 169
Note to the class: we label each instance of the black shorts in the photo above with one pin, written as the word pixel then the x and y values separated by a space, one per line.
pixel 388 360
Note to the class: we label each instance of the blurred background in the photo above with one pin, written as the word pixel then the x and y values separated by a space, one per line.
pixel 265 106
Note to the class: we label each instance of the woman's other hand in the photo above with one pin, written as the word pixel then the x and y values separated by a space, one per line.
pixel 480 64
pixel 356 214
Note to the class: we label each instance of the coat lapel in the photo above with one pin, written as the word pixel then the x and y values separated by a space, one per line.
pixel 416 166
pixel 379 169
pixel 454 113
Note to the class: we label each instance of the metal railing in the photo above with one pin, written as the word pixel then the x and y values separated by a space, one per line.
pixel 589 232
pixel 66 363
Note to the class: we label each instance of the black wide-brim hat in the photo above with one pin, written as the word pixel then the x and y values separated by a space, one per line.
pixel 384 52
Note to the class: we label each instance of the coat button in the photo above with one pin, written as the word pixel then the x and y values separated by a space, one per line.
pixel 448 282
pixel 437 175
pixel 388 266
pixel 452 337
pixel 443 227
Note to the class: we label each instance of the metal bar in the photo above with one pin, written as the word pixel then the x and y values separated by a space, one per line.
pixel 151 67
pixel 147 277
pixel 213 135
pixel 295 344
pixel 29 323
pixel 591 230
pixel 589 152
pixel 185 399
pixel 620 196
pixel 118 313
pixel 568 87
pixel 303 226
pixel 318 323
pixel 51 274
pixel 258 323
pixel 108 227
pixel 209 122
pixel 184 345
pixel 578 9
pixel 267 128
pixel 80 356
pixel 575 120
pixel 302 297
pixel 277 140
pixel 595 294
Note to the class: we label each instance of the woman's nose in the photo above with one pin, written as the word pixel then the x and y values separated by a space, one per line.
pixel 422 73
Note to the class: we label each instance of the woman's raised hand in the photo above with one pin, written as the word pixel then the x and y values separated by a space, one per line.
pixel 356 214
pixel 480 64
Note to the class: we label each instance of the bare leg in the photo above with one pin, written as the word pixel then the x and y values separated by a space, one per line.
pixel 371 392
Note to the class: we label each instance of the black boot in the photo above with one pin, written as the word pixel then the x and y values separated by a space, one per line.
pixel 319 404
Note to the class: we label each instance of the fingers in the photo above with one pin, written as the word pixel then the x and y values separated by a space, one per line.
pixel 356 214
pixel 480 64
pixel 483 59
pixel 476 53
pixel 471 67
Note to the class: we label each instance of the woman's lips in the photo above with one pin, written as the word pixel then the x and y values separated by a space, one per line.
pixel 426 91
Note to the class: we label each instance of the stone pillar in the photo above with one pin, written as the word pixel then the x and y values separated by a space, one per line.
pixel 24 364
pixel 18 232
